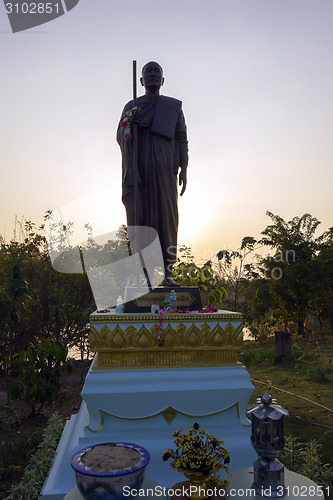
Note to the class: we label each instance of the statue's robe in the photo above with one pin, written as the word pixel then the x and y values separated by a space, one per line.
pixel 162 149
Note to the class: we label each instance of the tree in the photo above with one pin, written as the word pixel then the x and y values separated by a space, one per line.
pixel 322 297
pixel 233 268
pixel 292 270
pixel 257 305
pixel 54 305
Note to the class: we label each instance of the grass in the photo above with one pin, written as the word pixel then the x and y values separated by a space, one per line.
pixel 304 386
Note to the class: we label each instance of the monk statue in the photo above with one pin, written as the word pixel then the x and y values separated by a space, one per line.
pixel 162 151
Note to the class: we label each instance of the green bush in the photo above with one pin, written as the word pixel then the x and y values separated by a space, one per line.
pixel 305 459
pixel 39 374
pixel 256 355
pixel 35 473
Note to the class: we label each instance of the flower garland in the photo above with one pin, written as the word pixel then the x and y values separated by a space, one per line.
pixel 160 326
pixel 126 123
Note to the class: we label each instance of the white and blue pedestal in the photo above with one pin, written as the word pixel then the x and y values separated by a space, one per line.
pixel 146 406
pixel 140 390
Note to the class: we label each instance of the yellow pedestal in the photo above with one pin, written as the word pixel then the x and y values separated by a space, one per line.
pixel 135 340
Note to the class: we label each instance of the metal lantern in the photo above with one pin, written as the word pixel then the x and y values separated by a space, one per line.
pixel 268 440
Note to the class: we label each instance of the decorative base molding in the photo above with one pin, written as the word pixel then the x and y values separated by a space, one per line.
pixel 187 339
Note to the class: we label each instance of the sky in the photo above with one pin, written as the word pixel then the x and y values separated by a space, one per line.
pixel 255 78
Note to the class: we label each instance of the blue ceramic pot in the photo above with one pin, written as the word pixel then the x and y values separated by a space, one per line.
pixel 107 485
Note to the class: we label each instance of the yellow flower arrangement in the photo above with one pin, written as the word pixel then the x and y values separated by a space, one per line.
pixel 198 451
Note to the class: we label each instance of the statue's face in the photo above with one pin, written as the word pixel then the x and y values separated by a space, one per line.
pixel 152 76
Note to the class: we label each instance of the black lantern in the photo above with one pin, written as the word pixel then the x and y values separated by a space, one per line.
pixel 268 440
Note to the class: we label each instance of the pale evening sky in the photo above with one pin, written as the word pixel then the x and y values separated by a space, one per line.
pixel 255 78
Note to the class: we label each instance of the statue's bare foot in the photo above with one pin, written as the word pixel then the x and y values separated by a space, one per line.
pixel 168 281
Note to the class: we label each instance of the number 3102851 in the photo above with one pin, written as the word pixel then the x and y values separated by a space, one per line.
pixel 32 8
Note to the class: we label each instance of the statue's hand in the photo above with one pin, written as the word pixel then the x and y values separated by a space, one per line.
pixel 137 116
pixel 182 180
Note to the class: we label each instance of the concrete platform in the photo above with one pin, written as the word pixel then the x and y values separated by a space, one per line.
pixel 145 406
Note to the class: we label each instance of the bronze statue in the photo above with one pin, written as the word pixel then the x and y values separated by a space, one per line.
pixel 158 126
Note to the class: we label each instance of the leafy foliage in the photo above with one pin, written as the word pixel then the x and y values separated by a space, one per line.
pixel 321 301
pixel 187 273
pixel 39 374
pixel 50 305
pixel 36 301
pixel 294 261
pixel 288 285
pixel 233 267
pixel 305 459
pixel 34 475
